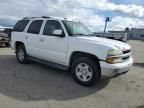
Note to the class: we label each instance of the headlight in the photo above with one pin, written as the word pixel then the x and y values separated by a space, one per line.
pixel 113 60
pixel 114 53
pixel 113 56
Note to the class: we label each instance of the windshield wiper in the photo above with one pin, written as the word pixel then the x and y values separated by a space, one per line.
pixel 91 34
pixel 84 34
pixel 79 34
pixel 94 35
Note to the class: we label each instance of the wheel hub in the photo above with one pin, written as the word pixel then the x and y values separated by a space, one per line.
pixel 21 55
pixel 84 72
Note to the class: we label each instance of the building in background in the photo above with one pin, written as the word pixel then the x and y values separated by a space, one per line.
pixel 133 33
pixel 116 35
pixel 137 33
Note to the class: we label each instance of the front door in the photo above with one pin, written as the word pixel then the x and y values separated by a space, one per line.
pixel 54 48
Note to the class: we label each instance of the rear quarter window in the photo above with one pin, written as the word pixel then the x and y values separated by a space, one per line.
pixel 20 25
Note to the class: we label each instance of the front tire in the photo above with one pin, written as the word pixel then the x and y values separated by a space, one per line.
pixel 21 54
pixel 85 71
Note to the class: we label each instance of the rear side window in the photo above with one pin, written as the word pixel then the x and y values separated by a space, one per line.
pixel 35 27
pixel 20 25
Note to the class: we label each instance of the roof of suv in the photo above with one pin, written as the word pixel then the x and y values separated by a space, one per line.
pixel 43 17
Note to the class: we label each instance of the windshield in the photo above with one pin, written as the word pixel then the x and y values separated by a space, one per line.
pixel 76 28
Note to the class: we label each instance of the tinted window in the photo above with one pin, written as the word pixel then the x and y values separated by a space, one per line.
pixel 20 25
pixel 50 26
pixel 35 27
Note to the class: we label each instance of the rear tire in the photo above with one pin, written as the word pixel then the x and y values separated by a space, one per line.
pixel 85 71
pixel 21 54
pixel 7 44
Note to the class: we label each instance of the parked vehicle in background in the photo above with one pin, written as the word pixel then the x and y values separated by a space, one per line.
pixel 116 35
pixel 69 45
pixel 5 36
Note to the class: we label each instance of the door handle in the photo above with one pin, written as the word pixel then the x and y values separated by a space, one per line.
pixel 41 39
pixel 26 37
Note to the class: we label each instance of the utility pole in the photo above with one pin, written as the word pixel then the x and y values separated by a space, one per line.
pixel 106 21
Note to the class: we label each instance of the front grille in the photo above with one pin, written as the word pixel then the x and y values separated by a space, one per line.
pixel 126 55
pixel 126 51
pixel 126 58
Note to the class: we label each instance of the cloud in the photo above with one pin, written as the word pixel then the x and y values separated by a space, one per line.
pixel 1 26
pixel 105 5
pixel 119 23
pixel 87 11
pixel 132 9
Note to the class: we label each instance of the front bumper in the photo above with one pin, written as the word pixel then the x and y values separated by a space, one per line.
pixel 113 70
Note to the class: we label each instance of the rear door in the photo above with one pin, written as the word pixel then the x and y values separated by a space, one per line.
pixel 33 38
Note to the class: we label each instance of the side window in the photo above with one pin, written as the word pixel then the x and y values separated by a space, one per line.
pixel 20 25
pixel 50 26
pixel 35 27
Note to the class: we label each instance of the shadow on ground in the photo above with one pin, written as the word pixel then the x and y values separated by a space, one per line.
pixel 35 82
pixel 142 106
pixel 139 65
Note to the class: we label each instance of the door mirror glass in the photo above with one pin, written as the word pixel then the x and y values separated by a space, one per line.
pixel 58 33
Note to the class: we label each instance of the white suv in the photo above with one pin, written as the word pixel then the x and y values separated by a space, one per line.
pixel 70 45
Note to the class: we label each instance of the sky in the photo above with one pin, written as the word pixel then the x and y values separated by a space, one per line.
pixel 123 13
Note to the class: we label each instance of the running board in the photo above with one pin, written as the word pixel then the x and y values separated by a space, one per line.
pixel 48 63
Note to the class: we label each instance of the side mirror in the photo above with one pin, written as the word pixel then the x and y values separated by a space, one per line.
pixel 58 33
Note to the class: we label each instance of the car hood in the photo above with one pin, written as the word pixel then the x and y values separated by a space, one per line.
pixel 107 42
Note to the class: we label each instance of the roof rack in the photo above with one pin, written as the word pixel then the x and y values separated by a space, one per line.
pixel 31 17
pixel 36 17
pixel 45 17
